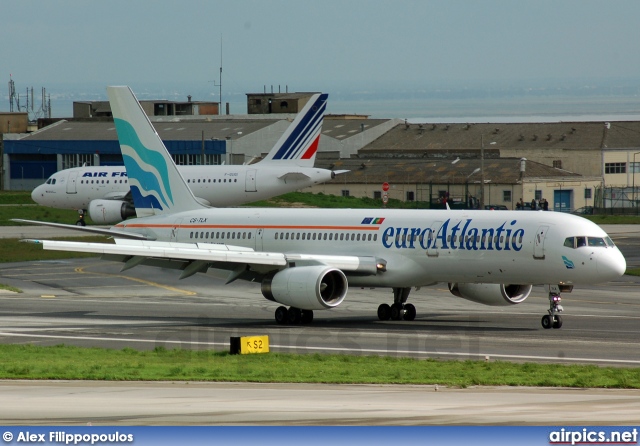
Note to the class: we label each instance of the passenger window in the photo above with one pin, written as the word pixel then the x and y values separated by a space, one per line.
pixel 249 236
pixel 375 237
pixel 191 235
pixel 581 241
pixel 298 236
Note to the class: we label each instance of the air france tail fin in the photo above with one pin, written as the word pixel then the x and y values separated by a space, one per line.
pixel 156 185
pixel 299 144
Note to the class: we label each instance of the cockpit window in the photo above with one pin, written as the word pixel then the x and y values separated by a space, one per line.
pixel 596 241
pixel 579 242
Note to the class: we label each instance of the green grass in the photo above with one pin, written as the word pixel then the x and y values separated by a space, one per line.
pixel 160 364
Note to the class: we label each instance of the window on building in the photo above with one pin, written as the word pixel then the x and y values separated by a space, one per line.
pixel 411 195
pixel 70 160
pixel 557 164
pixel 377 195
pixel 634 167
pixel 185 159
pixel 345 192
pixel 587 193
pixel 615 168
pixel 538 194
pixel 506 195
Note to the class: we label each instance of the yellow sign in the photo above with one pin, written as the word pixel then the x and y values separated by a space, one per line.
pixel 249 344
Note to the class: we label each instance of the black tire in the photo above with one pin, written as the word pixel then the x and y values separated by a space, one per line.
pixel 546 321
pixel 81 223
pixel 557 321
pixel 307 316
pixel 384 312
pixel 409 312
pixel 294 315
pixel 397 312
pixel 281 315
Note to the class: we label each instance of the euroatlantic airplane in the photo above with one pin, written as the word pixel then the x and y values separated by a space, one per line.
pixel 306 259
pixel 103 191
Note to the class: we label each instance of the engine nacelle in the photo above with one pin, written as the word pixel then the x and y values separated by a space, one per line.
pixel 317 287
pixel 494 294
pixel 110 211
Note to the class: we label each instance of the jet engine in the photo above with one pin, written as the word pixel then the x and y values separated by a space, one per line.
pixel 317 287
pixel 494 294
pixel 110 211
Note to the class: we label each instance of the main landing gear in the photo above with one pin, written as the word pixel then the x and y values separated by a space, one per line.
pixel 293 316
pixel 553 319
pixel 400 309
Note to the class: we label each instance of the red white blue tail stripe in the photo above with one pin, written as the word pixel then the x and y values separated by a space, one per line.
pixel 300 141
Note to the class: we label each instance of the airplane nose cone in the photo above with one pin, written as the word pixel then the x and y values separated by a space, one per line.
pixel 36 194
pixel 611 264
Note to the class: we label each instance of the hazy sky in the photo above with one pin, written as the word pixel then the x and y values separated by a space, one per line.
pixel 316 45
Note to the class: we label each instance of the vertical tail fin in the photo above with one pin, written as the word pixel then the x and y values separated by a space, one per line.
pixel 299 144
pixel 156 185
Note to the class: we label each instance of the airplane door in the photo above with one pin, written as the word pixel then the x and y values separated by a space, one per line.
pixel 432 250
pixel 250 181
pixel 538 243
pixel 174 230
pixel 259 234
pixel 71 183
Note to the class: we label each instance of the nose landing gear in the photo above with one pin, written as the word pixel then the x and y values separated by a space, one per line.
pixel 553 319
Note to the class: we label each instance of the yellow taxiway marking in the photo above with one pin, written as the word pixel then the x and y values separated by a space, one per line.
pixel 80 270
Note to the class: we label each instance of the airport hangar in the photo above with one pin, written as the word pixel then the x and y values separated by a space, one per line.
pixel 571 164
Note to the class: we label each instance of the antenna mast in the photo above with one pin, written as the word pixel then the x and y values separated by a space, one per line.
pixel 220 82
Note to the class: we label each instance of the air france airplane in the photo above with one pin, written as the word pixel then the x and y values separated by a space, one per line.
pixel 306 259
pixel 104 192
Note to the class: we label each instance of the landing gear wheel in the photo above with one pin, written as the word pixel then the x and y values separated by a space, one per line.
pixel 294 315
pixel 80 223
pixel 546 321
pixel 307 316
pixel 397 311
pixel 281 315
pixel 557 321
pixel 409 312
pixel 384 312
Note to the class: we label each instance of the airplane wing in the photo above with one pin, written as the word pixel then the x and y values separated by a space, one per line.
pixel 198 257
pixel 91 229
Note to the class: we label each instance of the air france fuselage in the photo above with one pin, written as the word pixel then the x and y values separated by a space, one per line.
pixel 220 186
pixel 417 247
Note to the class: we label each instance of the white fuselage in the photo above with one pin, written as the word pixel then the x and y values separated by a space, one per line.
pixel 220 186
pixel 420 247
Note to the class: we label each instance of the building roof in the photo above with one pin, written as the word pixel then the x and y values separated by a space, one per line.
pixel 412 171
pixel 187 130
pixel 342 129
pixel 420 138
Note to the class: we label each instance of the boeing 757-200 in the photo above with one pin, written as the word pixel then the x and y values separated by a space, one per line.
pixel 305 260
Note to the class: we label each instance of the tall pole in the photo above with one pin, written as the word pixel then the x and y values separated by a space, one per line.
pixel 481 171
